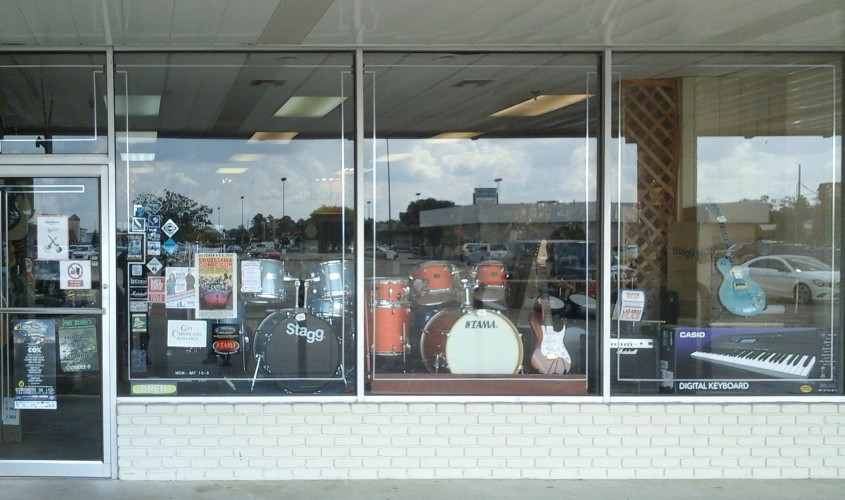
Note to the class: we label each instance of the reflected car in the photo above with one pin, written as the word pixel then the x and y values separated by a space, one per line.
pixel 799 277
pixel 381 252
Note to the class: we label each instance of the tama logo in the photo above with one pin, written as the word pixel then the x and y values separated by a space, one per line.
pixel 692 335
pixel 479 324
pixel 311 336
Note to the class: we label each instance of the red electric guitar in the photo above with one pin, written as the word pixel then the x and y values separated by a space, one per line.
pixel 550 355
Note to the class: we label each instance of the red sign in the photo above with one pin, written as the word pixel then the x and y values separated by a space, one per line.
pixel 155 289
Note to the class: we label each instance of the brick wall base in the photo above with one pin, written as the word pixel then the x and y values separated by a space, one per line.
pixel 274 441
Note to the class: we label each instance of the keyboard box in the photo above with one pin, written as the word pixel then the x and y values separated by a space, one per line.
pixel 681 373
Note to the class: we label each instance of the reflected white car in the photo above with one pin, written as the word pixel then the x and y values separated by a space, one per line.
pixel 798 277
pixel 381 253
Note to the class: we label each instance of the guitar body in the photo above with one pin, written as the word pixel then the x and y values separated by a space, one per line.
pixel 556 363
pixel 550 355
pixel 738 294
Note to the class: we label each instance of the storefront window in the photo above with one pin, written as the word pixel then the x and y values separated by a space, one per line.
pixel 726 251
pixel 235 223
pixel 52 104
pixel 481 230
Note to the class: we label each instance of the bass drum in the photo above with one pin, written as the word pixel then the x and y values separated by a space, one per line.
pixel 478 342
pixel 296 345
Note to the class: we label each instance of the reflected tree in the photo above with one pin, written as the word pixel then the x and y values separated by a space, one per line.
pixel 190 216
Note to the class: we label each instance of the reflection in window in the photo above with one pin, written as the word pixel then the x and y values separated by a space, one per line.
pixel 729 188
pixel 482 177
pixel 236 222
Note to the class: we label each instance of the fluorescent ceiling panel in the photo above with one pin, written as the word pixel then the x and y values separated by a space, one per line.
pixel 456 135
pixel 308 106
pixel 541 104
pixel 247 157
pixel 138 105
pixel 231 170
pixel 137 137
pixel 272 137
pixel 137 156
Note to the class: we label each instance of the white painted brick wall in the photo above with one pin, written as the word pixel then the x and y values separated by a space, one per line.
pixel 229 441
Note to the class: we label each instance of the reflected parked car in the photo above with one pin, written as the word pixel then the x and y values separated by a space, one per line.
pixel 798 277
pixel 381 252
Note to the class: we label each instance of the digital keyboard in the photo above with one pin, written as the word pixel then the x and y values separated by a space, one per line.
pixel 781 355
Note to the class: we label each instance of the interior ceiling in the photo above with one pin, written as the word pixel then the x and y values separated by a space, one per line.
pixel 411 102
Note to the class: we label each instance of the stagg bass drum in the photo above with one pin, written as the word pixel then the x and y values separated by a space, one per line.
pixel 480 342
pixel 293 344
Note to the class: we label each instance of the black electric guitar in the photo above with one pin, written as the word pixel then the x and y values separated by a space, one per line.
pixel 737 293
pixel 550 355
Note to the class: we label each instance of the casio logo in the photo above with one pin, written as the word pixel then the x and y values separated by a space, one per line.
pixel 692 335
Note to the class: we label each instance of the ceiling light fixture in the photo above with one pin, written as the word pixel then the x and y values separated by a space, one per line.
pixel 541 104
pixel 308 106
pixel 247 157
pixel 456 135
pixel 231 170
pixel 137 105
pixel 272 137
pixel 137 156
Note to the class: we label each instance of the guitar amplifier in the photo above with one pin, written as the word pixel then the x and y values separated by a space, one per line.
pixel 634 362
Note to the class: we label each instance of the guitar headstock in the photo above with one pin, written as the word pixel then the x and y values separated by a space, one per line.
pixel 542 254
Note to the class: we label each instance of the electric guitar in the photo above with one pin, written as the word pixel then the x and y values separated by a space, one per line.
pixel 550 355
pixel 737 293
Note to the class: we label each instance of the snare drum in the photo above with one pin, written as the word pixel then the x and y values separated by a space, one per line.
pixel 477 342
pixel 336 278
pixel 290 344
pixel 263 281
pixel 433 283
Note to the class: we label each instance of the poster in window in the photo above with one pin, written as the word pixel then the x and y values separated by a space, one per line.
pixel 216 295
pixel 78 344
pixel 52 237
pixel 179 288
pixel 35 364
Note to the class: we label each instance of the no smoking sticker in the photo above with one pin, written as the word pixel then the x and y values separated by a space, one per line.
pixel 75 274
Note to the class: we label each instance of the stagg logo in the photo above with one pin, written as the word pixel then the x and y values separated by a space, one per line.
pixel 478 324
pixel 311 336
pixel 691 335
pixel 685 253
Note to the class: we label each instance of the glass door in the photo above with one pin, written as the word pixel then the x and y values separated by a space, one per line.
pixel 53 302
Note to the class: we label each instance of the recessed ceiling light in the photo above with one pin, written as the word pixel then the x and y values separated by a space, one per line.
pixel 231 170
pixel 456 135
pixel 137 105
pixel 309 106
pixel 247 157
pixel 541 104
pixel 272 137
pixel 137 137
pixel 137 156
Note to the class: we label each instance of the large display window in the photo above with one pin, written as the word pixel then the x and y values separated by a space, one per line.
pixel 235 223
pixel 53 104
pixel 481 228
pixel 728 204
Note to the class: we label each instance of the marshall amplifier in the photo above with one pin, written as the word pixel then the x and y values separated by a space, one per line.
pixel 634 359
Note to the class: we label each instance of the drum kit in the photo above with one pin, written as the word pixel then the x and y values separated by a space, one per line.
pixel 307 346
pixel 441 319
pixel 420 319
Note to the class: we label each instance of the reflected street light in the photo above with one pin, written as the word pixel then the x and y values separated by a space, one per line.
pixel 368 209
pixel 497 180
pixel 242 212
pixel 283 198
pixel 218 217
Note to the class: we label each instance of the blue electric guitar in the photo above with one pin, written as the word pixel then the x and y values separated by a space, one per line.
pixel 737 293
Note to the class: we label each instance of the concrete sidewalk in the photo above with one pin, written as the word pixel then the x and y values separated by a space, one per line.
pixel 95 489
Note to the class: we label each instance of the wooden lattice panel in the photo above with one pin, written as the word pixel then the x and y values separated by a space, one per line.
pixel 651 120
